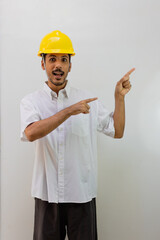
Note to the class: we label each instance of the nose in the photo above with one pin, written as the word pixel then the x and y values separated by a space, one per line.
pixel 58 65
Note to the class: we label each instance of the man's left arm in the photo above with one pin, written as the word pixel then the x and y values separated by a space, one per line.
pixel 122 88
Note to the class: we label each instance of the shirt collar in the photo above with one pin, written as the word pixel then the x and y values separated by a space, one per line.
pixel 65 91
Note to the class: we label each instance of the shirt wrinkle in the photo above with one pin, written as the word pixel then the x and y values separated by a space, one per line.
pixel 65 167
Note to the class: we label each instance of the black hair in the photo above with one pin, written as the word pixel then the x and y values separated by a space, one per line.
pixel 69 57
pixel 44 56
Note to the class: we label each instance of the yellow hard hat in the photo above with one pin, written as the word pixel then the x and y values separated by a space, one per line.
pixel 56 42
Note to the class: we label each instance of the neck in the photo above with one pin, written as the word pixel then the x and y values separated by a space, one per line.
pixel 56 88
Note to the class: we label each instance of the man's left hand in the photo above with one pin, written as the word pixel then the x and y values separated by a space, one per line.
pixel 123 86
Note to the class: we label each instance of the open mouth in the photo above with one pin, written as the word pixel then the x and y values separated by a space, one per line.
pixel 58 74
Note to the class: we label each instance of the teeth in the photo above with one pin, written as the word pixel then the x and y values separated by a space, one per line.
pixel 57 73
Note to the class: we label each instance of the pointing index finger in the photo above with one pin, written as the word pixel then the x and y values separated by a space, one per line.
pixel 129 72
pixel 90 100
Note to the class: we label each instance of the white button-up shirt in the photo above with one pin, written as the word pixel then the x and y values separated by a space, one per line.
pixel 65 168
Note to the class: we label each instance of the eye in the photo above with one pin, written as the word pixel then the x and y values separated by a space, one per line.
pixel 52 59
pixel 64 59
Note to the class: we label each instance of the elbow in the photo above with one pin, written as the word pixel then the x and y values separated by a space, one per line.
pixel 118 135
pixel 29 136
pixel 31 139
pixel 119 132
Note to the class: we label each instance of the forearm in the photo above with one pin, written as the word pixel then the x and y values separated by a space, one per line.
pixel 43 127
pixel 119 117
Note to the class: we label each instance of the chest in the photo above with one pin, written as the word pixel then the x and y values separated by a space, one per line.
pixel 79 125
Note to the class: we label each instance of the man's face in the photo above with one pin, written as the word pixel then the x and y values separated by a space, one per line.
pixel 57 67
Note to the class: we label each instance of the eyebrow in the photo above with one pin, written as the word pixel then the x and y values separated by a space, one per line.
pixel 61 56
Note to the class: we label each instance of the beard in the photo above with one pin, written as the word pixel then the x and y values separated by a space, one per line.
pixel 57 83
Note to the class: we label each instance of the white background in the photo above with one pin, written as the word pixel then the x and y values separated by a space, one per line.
pixel 109 37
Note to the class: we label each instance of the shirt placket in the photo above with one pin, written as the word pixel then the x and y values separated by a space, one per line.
pixel 60 154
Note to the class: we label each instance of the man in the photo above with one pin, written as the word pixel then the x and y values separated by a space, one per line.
pixel 63 121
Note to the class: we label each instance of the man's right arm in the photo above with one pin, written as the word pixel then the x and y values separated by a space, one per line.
pixel 43 127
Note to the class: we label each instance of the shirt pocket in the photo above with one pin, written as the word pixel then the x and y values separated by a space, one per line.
pixel 80 125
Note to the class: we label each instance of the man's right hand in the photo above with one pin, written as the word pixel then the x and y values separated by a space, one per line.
pixel 42 127
pixel 82 106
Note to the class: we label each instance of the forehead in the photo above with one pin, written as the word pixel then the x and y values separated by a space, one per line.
pixel 57 55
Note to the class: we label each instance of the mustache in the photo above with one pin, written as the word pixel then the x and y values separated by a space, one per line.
pixel 58 71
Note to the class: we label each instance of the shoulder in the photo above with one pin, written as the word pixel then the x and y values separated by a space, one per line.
pixel 32 97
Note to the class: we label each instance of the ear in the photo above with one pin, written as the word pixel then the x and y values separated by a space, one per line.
pixel 70 65
pixel 42 64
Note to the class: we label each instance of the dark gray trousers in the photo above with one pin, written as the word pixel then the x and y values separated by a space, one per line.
pixel 53 221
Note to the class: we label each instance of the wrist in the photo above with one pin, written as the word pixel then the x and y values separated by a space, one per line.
pixel 69 111
pixel 119 97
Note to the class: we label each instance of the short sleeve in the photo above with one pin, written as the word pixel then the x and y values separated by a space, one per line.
pixel 105 123
pixel 28 115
